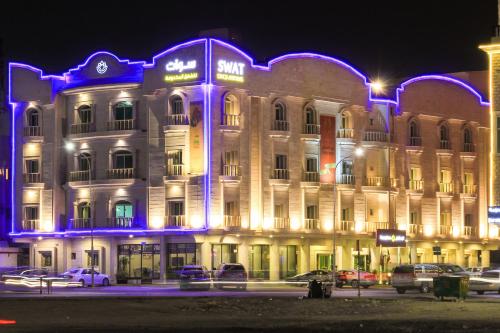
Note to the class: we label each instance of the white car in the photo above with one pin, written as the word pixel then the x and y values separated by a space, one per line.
pixel 84 276
pixel 488 281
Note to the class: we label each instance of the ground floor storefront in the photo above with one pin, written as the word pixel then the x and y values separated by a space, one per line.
pixel 158 258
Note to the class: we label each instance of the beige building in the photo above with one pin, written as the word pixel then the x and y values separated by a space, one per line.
pixel 202 156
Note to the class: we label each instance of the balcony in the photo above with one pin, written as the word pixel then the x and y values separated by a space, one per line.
pixel 345 133
pixel 32 178
pixel 121 125
pixel 374 226
pixel 446 188
pixel 30 225
pixel 468 148
pixel 32 131
pixel 469 190
pixel 416 185
pixel 415 229
pixel 469 231
pixel 310 176
pixel 82 128
pixel 445 230
pixel 176 221
pixel 376 181
pixel 347 226
pixel 231 221
pixel 177 120
pixel 444 144
pixel 311 129
pixel 125 173
pixel 375 136
pixel 80 176
pixel 280 125
pixel 175 169
pixel 231 170
pixel 80 223
pixel 415 141
pixel 282 223
pixel 120 223
pixel 346 179
pixel 281 174
pixel 231 120
pixel 311 224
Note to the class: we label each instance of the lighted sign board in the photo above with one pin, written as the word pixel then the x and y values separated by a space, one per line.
pixel 391 238
pixel 101 67
pixel 494 214
pixel 230 71
pixel 178 67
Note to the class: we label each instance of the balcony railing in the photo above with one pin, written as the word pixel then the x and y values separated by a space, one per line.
pixel 280 125
pixel 30 225
pixel 30 178
pixel 82 128
pixel 468 148
pixel 415 141
pixel 347 226
pixel 446 187
pixel 121 125
pixel 345 133
pixel 281 174
pixel 281 223
pixel 121 223
pixel 32 131
pixel 177 119
pixel 375 136
pixel 415 229
pixel 80 223
pixel 176 221
pixel 175 169
pixel 311 224
pixel 125 173
pixel 373 226
pixel 469 189
pixel 311 129
pixel 445 230
pixel 469 231
pixel 376 181
pixel 346 179
pixel 310 176
pixel 80 176
pixel 231 170
pixel 231 120
pixel 231 221
pixel 416 185
pixel 444 144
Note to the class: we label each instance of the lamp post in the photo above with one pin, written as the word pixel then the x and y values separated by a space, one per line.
pixel 358 152
pixel 70 147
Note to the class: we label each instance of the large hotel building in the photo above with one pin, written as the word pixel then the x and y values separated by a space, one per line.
pixel 202 156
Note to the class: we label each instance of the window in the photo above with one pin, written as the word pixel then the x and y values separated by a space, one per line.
pixel 345 121
pixel 468 147
pixel 180 254
pixel 310 116
pixel 84 114
pixel 176 105
pixel 32 166
pixel 346 214
pixel 445 218
pixel 230 208
pixel 123 111
pixel 281 162
pixel 84 162
pixel 288 261
pixel 31 213
pixel 415 174
pixel 279 211
pixel 444 137
pixel 174 162
pixel 498 135
pixel 123 160
pixel 259 262
pixel 231 158
pixel 311 165
pixel 33 118
pixel 176 208
pixel 468 221
pixel 123 209
pixel 414 218
pixel 346 167
pixel 45 258
pixel 468 178
pixel 139 261
pixel 83 210
pixel 89 259
pixel 445 176
pixel 413 129
pixel 231 111
pixel 312 212
pixel 280 111
pixel 224 254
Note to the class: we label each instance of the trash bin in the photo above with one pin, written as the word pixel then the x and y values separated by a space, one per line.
pixel 451 286
pixel 315 289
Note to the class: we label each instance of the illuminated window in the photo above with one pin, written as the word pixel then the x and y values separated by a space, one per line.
pixel 83 210
pixel 231 111
pixel 468 220
pixel 45 258
pixel 84 113
pixel 33 118
pixel 123 209
pixel 176 105
pixel 123 111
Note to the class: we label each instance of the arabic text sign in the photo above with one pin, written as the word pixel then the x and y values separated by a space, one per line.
pixel 180 66
pixel 494 214
pixel 391 238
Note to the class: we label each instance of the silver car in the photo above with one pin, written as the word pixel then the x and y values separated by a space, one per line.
pixel 488 281
pixel 418 276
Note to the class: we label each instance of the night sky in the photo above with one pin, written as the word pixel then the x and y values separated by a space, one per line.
pixel 392 40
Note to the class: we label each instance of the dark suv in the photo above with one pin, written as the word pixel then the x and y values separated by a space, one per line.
pixel 230 275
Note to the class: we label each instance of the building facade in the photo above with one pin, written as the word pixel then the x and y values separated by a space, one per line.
pixel 202 156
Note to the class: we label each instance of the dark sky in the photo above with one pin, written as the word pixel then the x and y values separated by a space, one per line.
pixel 382 38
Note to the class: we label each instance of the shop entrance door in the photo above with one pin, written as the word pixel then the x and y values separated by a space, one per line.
pixel 324 261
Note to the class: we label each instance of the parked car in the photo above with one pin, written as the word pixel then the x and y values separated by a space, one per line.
pixel 477 271
pixel 488 281
pixel 350 278
pixel 194 277
pixel 304 279
pixel 25 273
pixel 233 275
pixel 84 276
pixel 451 269
pixel 418 276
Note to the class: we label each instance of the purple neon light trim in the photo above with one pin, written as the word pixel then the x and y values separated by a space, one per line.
pixel 126 61
pixel 104 232
pixel 438 77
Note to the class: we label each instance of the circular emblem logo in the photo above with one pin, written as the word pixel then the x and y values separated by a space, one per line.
pixel 102 67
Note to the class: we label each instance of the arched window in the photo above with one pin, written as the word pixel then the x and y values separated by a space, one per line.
pixel 84 113
pixel 231 111
pixel 280 117
pixel 414 134
pixel 124 209
pixel 310 121
pixel 468 145
pixel 345 120
pixel 83 210
pixel 123 159
pixel 176 105
pixel 444 137
pixel 33 118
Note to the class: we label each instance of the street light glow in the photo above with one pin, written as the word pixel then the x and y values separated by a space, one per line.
pixel 377 86
pixel 69 146
pixel 359 152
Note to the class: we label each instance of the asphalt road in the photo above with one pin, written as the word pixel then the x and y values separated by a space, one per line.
pixel 253 290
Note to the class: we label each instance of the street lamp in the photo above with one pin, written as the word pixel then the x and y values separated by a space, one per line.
pixel 358 152
pixel 70 147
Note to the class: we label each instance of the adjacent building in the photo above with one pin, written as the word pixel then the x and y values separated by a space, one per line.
pixel 203 156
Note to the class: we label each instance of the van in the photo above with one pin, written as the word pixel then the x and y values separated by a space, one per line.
pixel 418 276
